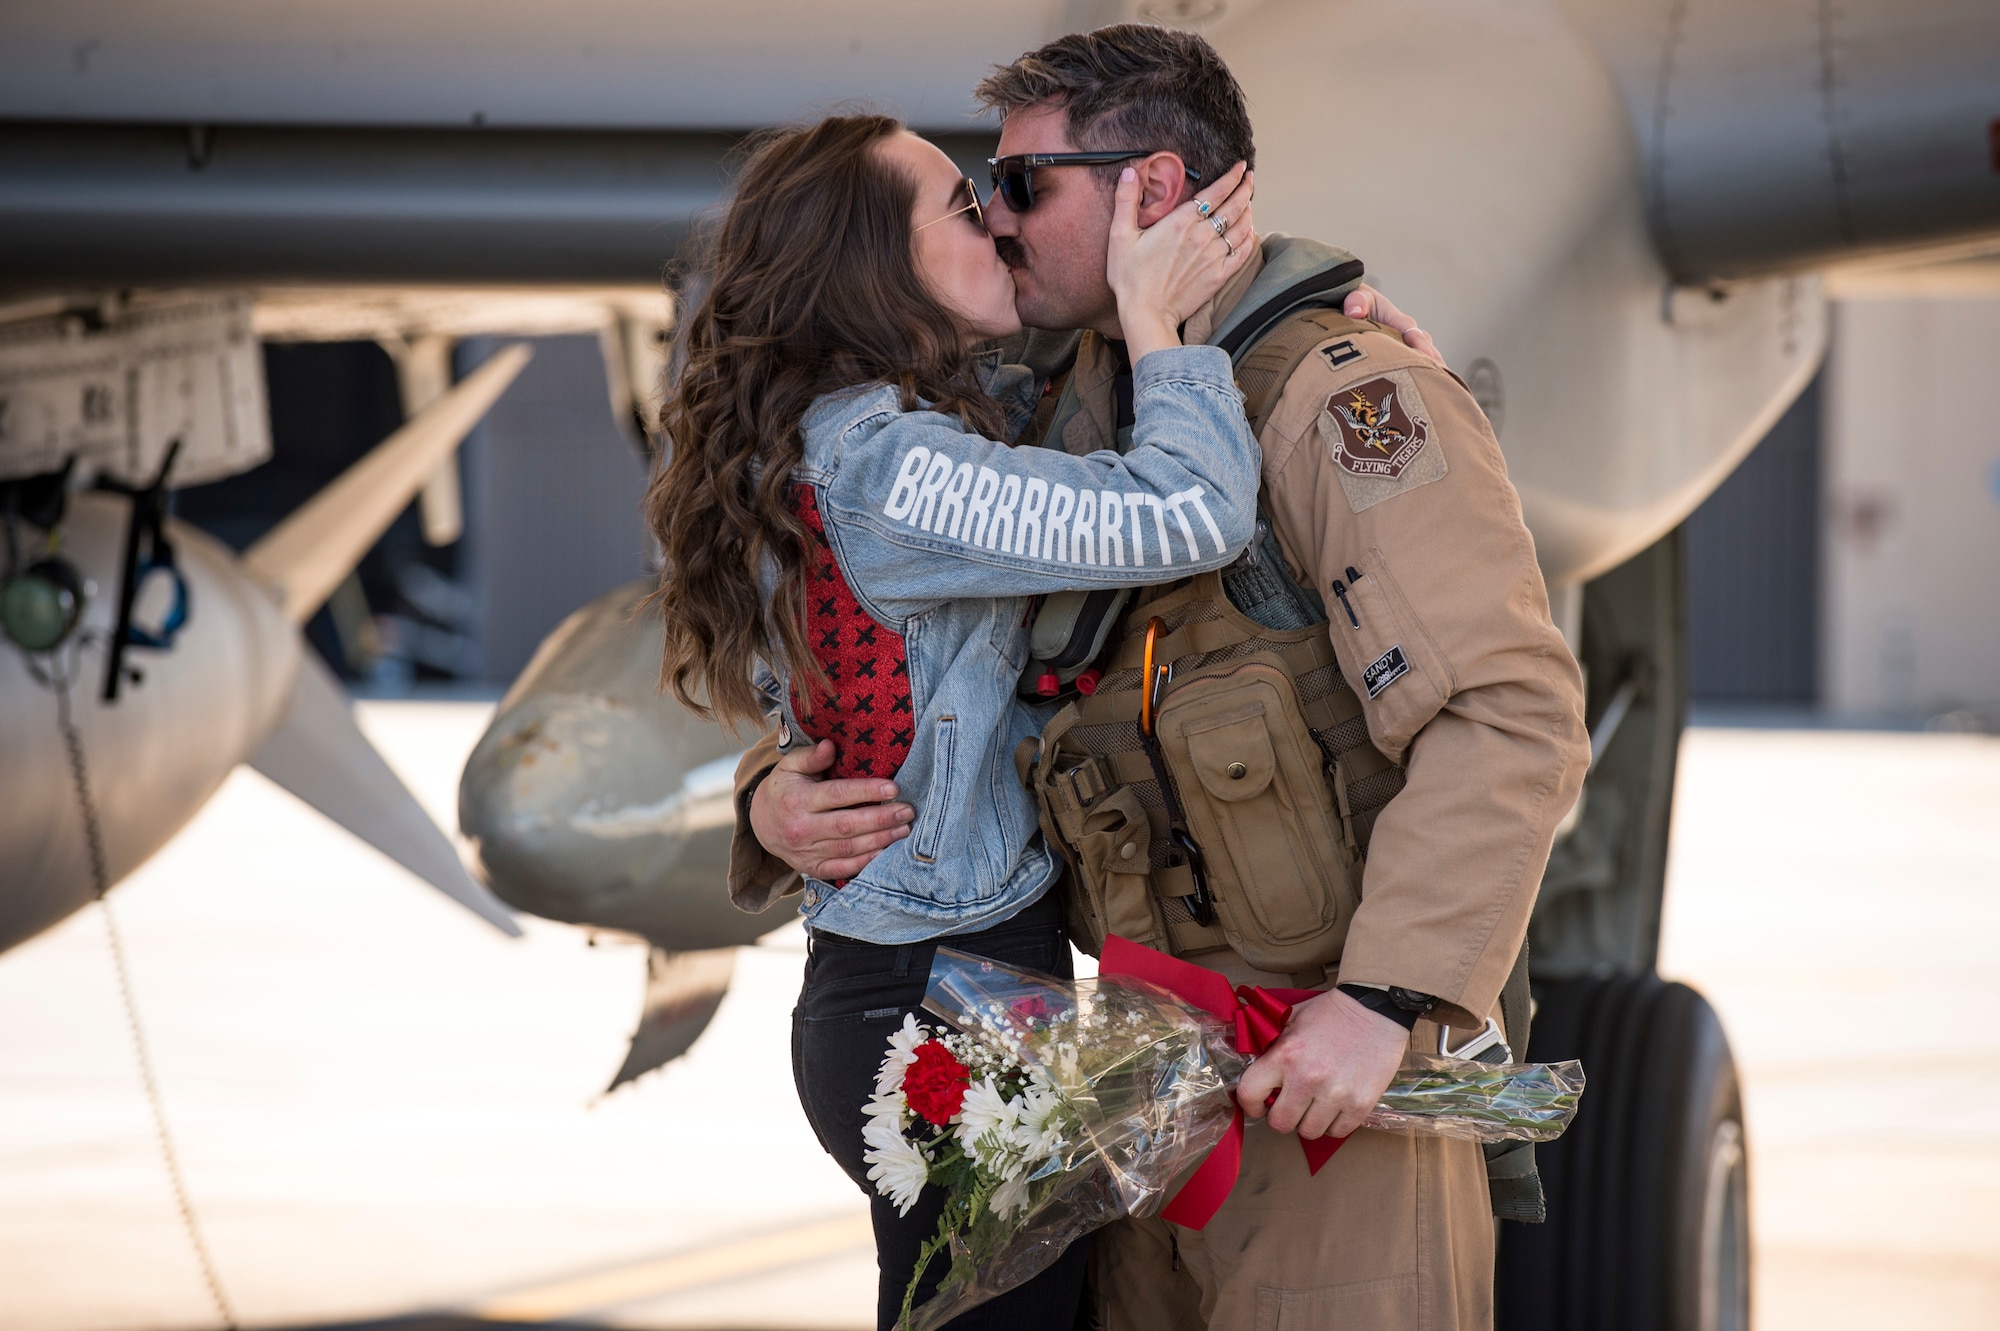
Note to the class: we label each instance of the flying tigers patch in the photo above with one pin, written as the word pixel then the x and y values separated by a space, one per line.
pixel 1379 436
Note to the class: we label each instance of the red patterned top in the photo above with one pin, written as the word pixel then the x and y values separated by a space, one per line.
pixel 866 713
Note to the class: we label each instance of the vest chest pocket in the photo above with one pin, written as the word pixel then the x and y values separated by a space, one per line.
pixel 1258 804
pixel 1232 756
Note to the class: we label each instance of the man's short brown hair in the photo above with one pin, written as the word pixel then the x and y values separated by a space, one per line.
pixel 1134 85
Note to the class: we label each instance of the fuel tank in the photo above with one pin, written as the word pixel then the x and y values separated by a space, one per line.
pixel 154 756
pixel 594 798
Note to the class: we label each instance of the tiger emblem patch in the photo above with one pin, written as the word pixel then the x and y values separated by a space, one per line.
pixel 1379 436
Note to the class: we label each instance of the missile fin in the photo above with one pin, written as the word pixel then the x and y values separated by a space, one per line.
pixel 683 990
pixel 308 554
pixel 319 754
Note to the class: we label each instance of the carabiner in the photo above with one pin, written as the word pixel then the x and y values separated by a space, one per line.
pixel 1149 682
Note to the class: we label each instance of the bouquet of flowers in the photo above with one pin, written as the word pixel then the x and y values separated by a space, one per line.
pixel 1055 1107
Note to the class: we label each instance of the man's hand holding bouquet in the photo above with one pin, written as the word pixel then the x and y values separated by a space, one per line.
pixel 1055 1107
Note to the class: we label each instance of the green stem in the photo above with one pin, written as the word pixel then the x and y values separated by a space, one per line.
pixel 924 1254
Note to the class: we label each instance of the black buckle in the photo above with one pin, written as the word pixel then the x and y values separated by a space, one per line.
pixel 1202 905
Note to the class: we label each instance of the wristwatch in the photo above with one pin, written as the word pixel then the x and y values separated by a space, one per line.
pixel 1402 1006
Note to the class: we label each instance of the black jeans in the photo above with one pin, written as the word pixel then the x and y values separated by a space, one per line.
pixel 855 994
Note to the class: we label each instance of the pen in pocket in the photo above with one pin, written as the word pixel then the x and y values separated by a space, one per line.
pixel 1340 590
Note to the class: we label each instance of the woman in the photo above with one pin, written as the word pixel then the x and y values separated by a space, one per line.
pixel 850 543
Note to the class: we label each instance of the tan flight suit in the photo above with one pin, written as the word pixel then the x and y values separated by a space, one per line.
pixel 1378 462
pixel 757 878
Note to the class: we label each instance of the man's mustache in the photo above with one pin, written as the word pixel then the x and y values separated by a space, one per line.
pixel 1010 251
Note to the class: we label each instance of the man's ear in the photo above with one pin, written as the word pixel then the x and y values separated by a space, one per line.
pixel 1166 186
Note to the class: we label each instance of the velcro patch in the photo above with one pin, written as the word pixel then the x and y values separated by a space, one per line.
pixel 1385 670
pixel 1343 352
pixel 1379 435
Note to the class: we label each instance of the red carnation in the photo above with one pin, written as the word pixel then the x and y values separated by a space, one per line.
pixel 934 1085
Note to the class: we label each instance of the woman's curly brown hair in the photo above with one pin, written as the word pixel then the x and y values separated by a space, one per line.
pixel 811 288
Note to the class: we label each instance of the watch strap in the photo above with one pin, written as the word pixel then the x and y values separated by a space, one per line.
pixel 1385 1002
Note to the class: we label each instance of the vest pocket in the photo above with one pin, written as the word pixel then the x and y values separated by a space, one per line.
pixel 1258 804
pixel 924 842
pixel 1116 847
pixel 1105 838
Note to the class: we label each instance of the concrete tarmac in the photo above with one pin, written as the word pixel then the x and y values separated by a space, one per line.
pixel 388 1113
pixel 1837 896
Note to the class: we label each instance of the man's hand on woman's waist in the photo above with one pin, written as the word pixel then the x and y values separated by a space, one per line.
pixel 827 830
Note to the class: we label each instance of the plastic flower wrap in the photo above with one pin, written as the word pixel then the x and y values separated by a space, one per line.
pixel 1481 1102
pixel 1056 1107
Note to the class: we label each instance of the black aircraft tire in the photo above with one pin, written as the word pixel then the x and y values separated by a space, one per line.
pixel 1647 1197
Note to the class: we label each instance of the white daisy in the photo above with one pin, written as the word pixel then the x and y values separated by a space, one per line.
pixel 902 1052
pixel 890 1105
pixel 1040 1130
pixel 897 1166
pixel 986 1117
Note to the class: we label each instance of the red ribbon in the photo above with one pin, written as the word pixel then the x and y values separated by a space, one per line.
pixel 1259 1015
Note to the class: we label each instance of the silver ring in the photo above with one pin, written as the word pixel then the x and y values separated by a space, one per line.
pixel 1231 248
pixel 1220 223
pixel 1203 208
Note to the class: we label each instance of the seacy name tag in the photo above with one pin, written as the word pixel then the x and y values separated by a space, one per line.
pixel 1386 669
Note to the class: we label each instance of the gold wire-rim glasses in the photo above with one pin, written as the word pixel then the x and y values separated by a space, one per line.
pixel 976 208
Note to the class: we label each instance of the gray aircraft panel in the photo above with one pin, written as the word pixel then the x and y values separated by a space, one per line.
pixel 180 370
pixel 91 205
pixel 97 204
pixel 582 64
pixel 1783 134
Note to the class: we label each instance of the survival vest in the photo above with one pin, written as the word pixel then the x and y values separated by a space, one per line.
pixel 1212 781
pixel 1216 786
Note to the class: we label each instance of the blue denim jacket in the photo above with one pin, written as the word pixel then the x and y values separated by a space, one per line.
pixel 943 535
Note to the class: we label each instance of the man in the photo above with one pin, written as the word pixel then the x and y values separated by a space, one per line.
pixel 1389 497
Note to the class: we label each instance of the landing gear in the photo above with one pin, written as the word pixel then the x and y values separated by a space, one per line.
pixel 1648 1195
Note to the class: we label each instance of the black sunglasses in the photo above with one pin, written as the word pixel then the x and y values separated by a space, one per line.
pixel 1014 177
